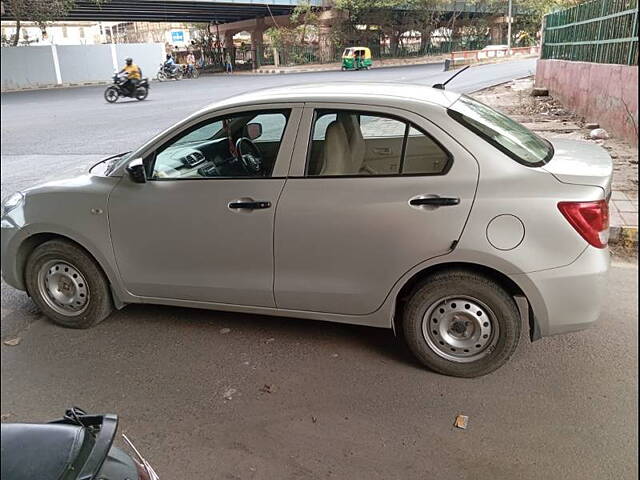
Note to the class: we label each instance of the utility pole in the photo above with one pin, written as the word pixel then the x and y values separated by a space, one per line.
pixel 509 19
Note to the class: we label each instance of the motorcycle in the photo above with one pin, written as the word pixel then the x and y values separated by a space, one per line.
pixel 77 447
pixel 168 72
pixel 117 90
pixel 190 72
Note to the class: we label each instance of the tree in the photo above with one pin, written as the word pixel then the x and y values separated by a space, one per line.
pixel 207 41
pixel 304 16
pixel 42 12
pixel 304 21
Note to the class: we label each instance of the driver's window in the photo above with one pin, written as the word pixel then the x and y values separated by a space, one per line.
pixel 240 145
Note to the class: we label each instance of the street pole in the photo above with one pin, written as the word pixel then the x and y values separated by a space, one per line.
pixel 509 29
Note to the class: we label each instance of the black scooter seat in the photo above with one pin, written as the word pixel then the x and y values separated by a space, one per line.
pixel 36 451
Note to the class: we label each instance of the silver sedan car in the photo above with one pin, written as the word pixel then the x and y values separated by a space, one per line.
pixel 387 205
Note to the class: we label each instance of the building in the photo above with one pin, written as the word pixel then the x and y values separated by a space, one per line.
pixel 58 33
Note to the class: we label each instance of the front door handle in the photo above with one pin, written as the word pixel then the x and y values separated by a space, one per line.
pixel 434 201
pixel 249 205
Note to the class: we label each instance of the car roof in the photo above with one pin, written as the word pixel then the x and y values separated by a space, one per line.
pixel 342 92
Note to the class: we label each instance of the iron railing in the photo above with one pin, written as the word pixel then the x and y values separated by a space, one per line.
pixel 599 31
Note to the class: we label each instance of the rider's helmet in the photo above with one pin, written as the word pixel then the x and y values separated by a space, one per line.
pixel 128 60
pixel 168 56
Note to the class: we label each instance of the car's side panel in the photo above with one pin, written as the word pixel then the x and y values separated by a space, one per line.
pixel 342 243
pixel 74 209
pixel 383 316
pixel 180 239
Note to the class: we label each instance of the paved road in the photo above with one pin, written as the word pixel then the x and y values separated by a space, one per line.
pixel 346 402
pixel 342 401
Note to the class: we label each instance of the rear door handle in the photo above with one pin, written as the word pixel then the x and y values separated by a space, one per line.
pixel 249 205
pixel 434 201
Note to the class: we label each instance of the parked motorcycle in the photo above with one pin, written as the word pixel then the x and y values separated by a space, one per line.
pixel 192 72
pixel 117 90
pixel 168 72
pixel 77 447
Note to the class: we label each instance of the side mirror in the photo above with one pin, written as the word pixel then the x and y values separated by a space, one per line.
pixel 136 171
pixel 254 130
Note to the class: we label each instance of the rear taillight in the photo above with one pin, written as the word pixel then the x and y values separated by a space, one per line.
pixel 590 219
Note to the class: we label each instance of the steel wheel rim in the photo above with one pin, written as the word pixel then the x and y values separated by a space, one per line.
pixel 63 288
pixel 460 328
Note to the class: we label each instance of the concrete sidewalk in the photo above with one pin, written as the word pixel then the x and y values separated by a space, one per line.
pixel 391 62
pixel 623 217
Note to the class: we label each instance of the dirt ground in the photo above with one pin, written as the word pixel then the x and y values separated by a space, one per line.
pixel 549 118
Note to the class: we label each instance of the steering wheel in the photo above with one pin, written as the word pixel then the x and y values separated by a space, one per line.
pixel 250 161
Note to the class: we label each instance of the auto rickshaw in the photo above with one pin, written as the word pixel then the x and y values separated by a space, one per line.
pixel 356 58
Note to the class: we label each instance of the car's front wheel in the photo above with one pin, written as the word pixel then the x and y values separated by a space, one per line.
pixel 462 324
pixel 67 285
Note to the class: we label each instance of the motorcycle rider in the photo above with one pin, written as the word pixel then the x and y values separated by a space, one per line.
pixel 134 75
pixel 170 64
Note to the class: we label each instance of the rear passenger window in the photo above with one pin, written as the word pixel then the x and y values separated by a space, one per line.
pixel 351 143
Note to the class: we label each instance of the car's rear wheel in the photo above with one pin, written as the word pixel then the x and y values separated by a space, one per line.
pixel 67 285
pixel 462 324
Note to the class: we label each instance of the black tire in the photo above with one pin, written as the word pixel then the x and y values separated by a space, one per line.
pixel 98 303
pixel 111 94
pixel 141 93
pixel 195 73
pixel 446 286
pixel 179 75
pixel 161 77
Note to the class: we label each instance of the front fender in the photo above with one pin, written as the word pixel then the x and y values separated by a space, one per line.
pixel 75 209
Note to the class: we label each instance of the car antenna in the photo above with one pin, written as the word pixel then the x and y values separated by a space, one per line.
pixel 441 85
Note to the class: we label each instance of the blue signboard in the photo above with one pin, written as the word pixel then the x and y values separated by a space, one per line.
pixel 177 36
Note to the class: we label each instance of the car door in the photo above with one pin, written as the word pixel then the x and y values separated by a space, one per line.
pixel 343 239
pixel 204 230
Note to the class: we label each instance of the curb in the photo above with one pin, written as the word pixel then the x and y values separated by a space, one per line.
pixel 275 71
pixel 67 85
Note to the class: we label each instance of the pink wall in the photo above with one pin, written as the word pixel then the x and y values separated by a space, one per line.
pixel 596 91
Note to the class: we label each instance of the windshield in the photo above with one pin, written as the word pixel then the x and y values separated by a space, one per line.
pixel 505 134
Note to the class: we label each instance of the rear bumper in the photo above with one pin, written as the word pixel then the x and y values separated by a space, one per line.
pixel 570 298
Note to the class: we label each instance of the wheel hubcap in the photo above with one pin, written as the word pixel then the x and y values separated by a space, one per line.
pixel 63 288
pixel 460 329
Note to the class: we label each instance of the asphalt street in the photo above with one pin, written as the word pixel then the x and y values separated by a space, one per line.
pixel 209 395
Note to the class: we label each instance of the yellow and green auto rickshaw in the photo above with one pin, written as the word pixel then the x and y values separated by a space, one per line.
pixel 356 58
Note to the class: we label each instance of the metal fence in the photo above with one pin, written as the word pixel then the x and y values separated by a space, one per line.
pixel 599 31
